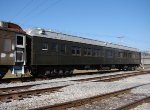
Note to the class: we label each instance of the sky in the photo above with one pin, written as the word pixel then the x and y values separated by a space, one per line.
pixel 125 22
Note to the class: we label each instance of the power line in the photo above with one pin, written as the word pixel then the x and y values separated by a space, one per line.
pixel 21 10
pixel 34 9
pixel 44 10
pixel 52 5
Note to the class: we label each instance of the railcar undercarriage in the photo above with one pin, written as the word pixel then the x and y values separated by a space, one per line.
pixel 3 70
pixel 52 71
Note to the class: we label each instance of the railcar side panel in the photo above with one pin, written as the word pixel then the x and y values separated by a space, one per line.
pixel 7 42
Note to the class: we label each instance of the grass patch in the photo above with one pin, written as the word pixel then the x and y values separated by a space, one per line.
pixel 10 75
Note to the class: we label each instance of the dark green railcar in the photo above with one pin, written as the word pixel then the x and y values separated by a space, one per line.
pixel 57 53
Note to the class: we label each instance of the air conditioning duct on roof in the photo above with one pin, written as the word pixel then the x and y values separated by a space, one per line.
pixel 3 24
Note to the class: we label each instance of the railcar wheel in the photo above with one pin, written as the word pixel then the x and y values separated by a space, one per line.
pixel 48 73
pixel 2 74
pixel 133 68
pixel 71 72
pixel 34 72
pixel 68 72
pixel 27 71
pixel 54 72
pixel 3 71
pixel 61 72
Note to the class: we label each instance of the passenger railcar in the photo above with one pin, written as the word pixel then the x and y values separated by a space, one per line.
pixel 58 53
pixel 145 59
pixel 43 52
pixel 12 48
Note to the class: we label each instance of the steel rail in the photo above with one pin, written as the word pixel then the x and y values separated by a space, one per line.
pixel 96 79
pixel 18 95
pixel 135 103
pixel 79 102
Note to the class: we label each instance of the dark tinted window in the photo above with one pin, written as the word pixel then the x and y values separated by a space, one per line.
pixel 89 52
pixel 54 46
pixel 78 49
pixel 109 53
pixel 73 50
pixel 45 46
pixel 85 51
pixel 63 48
pixel 19 40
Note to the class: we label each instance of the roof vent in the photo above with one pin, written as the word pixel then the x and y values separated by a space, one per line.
pixel 42 31
pixel 3 24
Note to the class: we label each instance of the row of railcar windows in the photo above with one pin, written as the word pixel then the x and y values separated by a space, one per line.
pixel 54 47
pixel 76 51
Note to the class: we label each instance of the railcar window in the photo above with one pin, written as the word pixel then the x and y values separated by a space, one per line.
pixel 85 51
pixel 109 54
pixel 137 55
pixel 101 52
pixel 78 50
pixel 54 46
pixel 19 56
pixel 129 55
pixel 120 54
pixel 97 53
pixel 63 48
pixel 7 45
pixel 133 55
pixel 73 50
pixel 19 40
pixel 45 46
pixel 124 55
pixel 94 53
pixel 89 52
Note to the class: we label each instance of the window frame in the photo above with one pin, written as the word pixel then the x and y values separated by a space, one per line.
pixel 45 46
pixel 109 53
pixel 76 49
pixel 24 40
pixel 16 60
pixel 56 46
pixel 73 50
pixel 5 44
pixel 63 48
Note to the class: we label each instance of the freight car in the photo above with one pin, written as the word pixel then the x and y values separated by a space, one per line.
pixel 44 52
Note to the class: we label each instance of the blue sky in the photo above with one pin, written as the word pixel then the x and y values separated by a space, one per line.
pixel 104 20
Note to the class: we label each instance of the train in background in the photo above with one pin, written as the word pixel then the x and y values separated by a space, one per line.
pixel 48 53
pixel 145 59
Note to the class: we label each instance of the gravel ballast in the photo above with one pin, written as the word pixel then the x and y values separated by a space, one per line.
pixel 75 90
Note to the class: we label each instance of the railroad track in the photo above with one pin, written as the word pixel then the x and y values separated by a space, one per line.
pixel 19 92
pixel 135 103
pixel 95 79
pixel 81 102
pixel 113 77
pixel 21 79
pixel 25 93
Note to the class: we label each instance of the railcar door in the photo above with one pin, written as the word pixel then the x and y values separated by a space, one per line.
pixel 20 54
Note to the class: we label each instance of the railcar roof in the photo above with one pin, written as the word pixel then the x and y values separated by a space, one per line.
pixel 57 35
pixel 8 26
